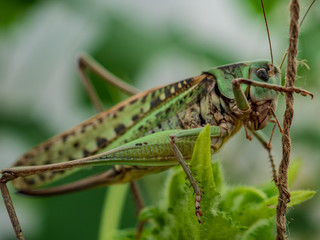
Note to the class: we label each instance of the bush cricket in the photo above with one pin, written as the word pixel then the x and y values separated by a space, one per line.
pixel 153 130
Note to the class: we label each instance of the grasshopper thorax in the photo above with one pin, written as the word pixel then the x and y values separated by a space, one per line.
pixel 261 98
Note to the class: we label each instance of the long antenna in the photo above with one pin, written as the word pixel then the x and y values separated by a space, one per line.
pixel 265 19
pixel 304 16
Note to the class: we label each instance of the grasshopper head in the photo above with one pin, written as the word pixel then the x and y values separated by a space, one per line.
pixel 263 98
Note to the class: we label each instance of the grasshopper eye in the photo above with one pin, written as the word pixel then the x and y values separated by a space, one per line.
pixel 262 74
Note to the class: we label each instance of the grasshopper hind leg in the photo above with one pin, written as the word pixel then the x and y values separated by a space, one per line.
pixel 86 62
pixel 10 209
pixel 107 178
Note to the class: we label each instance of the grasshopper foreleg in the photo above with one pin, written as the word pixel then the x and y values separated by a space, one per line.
pixel 236 88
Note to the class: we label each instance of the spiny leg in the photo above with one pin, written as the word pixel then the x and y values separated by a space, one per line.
pixel 10 209
pixel 272 133
pixel 268 147
pixel 236 84
pixel 99 180
pixel 88 86
pixel 215 132
pixel 276 121
pixel 86 62
pixel 192 180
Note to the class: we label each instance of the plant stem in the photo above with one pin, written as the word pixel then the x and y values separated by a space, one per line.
pixel 112 211
pixel 284 195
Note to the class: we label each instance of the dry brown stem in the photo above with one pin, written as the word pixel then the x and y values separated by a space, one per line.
pixel 284 195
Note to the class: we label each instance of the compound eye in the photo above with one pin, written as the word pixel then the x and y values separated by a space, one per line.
pixel 262 74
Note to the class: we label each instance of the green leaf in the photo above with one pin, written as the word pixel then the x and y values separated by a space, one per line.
pixel 262 230
pixel 294 170
pixel 238 197
pixel 296 198
pixel 218 176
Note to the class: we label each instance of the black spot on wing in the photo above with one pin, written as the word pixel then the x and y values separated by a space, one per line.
pixel 76 144
pixel 84 126
pixel 85 153
pixel 100 120
pixel 29 182
pixel 135 117
pixel 101 142
pixel 47 147
pixel 42 177
pixel 167 92
pixel 120 128
pixel 155 102
pixel 65 137
pixel 121 108
pixel 176 87
pixel 144 99
pixel 133 101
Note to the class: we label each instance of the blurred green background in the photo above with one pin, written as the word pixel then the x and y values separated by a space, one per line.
pixel 146 43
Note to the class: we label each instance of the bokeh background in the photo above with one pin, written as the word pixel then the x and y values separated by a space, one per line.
pixel 146 43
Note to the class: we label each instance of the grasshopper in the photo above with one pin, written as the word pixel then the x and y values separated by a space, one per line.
pixel 152 130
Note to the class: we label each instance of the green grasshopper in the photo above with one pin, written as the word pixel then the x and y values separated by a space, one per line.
pixel 152 130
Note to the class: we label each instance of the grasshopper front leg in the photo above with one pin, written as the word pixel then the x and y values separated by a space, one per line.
pixel 241 99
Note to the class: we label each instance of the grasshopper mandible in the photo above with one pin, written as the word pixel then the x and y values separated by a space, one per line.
pixel 154 130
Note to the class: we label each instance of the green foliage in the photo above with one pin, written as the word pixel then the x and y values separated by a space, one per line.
pixel 229 212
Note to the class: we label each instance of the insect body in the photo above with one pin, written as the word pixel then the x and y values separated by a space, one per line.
pixel 152 131
pixel 211 98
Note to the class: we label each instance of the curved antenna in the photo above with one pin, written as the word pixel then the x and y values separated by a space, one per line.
pixel 304 16
pixel 265 19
